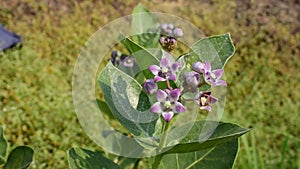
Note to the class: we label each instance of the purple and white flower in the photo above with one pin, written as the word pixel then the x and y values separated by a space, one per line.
pixel 204 100
pixel 210 76
pixel 150 86
pixel 166 71
pixel 167 104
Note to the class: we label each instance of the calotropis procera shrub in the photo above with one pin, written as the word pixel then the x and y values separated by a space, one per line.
pixel 157 102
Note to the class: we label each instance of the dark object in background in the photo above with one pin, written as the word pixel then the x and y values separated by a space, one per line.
pixel 8 39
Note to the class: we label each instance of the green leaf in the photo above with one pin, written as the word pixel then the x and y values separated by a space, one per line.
pixel 105 109
pixel 19 158
pixel 203 135
pixel 216 49
pixel 126 162
pixel 221 156
pixel 3 146
pixel 144 27
pixel 85 159
pixel 121 92
pixel 144 58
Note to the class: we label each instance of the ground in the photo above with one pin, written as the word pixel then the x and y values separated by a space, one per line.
pixel 35 84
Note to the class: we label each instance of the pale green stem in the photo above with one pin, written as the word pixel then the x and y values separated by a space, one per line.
pixel 163 138
pixel 161 145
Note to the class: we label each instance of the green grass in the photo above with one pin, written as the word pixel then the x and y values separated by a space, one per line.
pixel 35 83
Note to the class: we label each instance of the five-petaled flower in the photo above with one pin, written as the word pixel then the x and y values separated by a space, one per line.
pixel 210 76
pixel 167 103
pixel 204 100
pixel 166 71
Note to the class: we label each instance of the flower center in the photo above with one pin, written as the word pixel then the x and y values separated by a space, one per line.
pixel 129 60
pixel 167 104
pixel 164 70
pixel 203 100
pixel 213 75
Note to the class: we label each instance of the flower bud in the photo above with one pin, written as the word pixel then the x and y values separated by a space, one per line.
pixel 170 26
pixel 178 32
pixel 162 41
pixel 192 78
pixel 191 81
pixel 150 86
pixel 129 61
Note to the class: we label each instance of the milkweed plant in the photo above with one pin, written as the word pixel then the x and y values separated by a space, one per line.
pixel 159 99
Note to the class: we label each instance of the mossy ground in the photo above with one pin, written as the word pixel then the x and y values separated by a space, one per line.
pixel 35 84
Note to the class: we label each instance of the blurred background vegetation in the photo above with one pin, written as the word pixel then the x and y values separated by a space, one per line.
pixel 264 92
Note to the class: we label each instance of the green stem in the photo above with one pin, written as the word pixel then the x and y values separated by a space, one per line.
pixel 136 164
pixel 161 145
pixel 157 161
pixel 163 138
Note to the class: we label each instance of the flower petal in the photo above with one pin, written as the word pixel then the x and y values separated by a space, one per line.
pixel 212 99
pixel 220 83
pixel 175 66
pixel 178 108
pixel 207 67
pixel 172 77
pixel 161 95
pixel 165 62
pixel 174 94
pixel 158 79
pixel 167 115
pixel 156 108
pixel 208 108
pixel 199 67
pixel 218 73
pixel 154 69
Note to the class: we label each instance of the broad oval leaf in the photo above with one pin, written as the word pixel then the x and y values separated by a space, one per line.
pixel 216 49
pixel 221 156
pixel 3 146
pixel 85 159
pixel 19 158
pixel 204 135
pixel 123 96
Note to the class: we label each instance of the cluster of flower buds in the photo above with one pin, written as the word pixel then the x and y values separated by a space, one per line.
pixel 117 58
pixel 169 99
pixel 169 35
pixel 168 29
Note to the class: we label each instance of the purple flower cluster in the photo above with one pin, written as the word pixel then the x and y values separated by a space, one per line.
pixel 169 99
pixel 169 35
pixel 168 29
